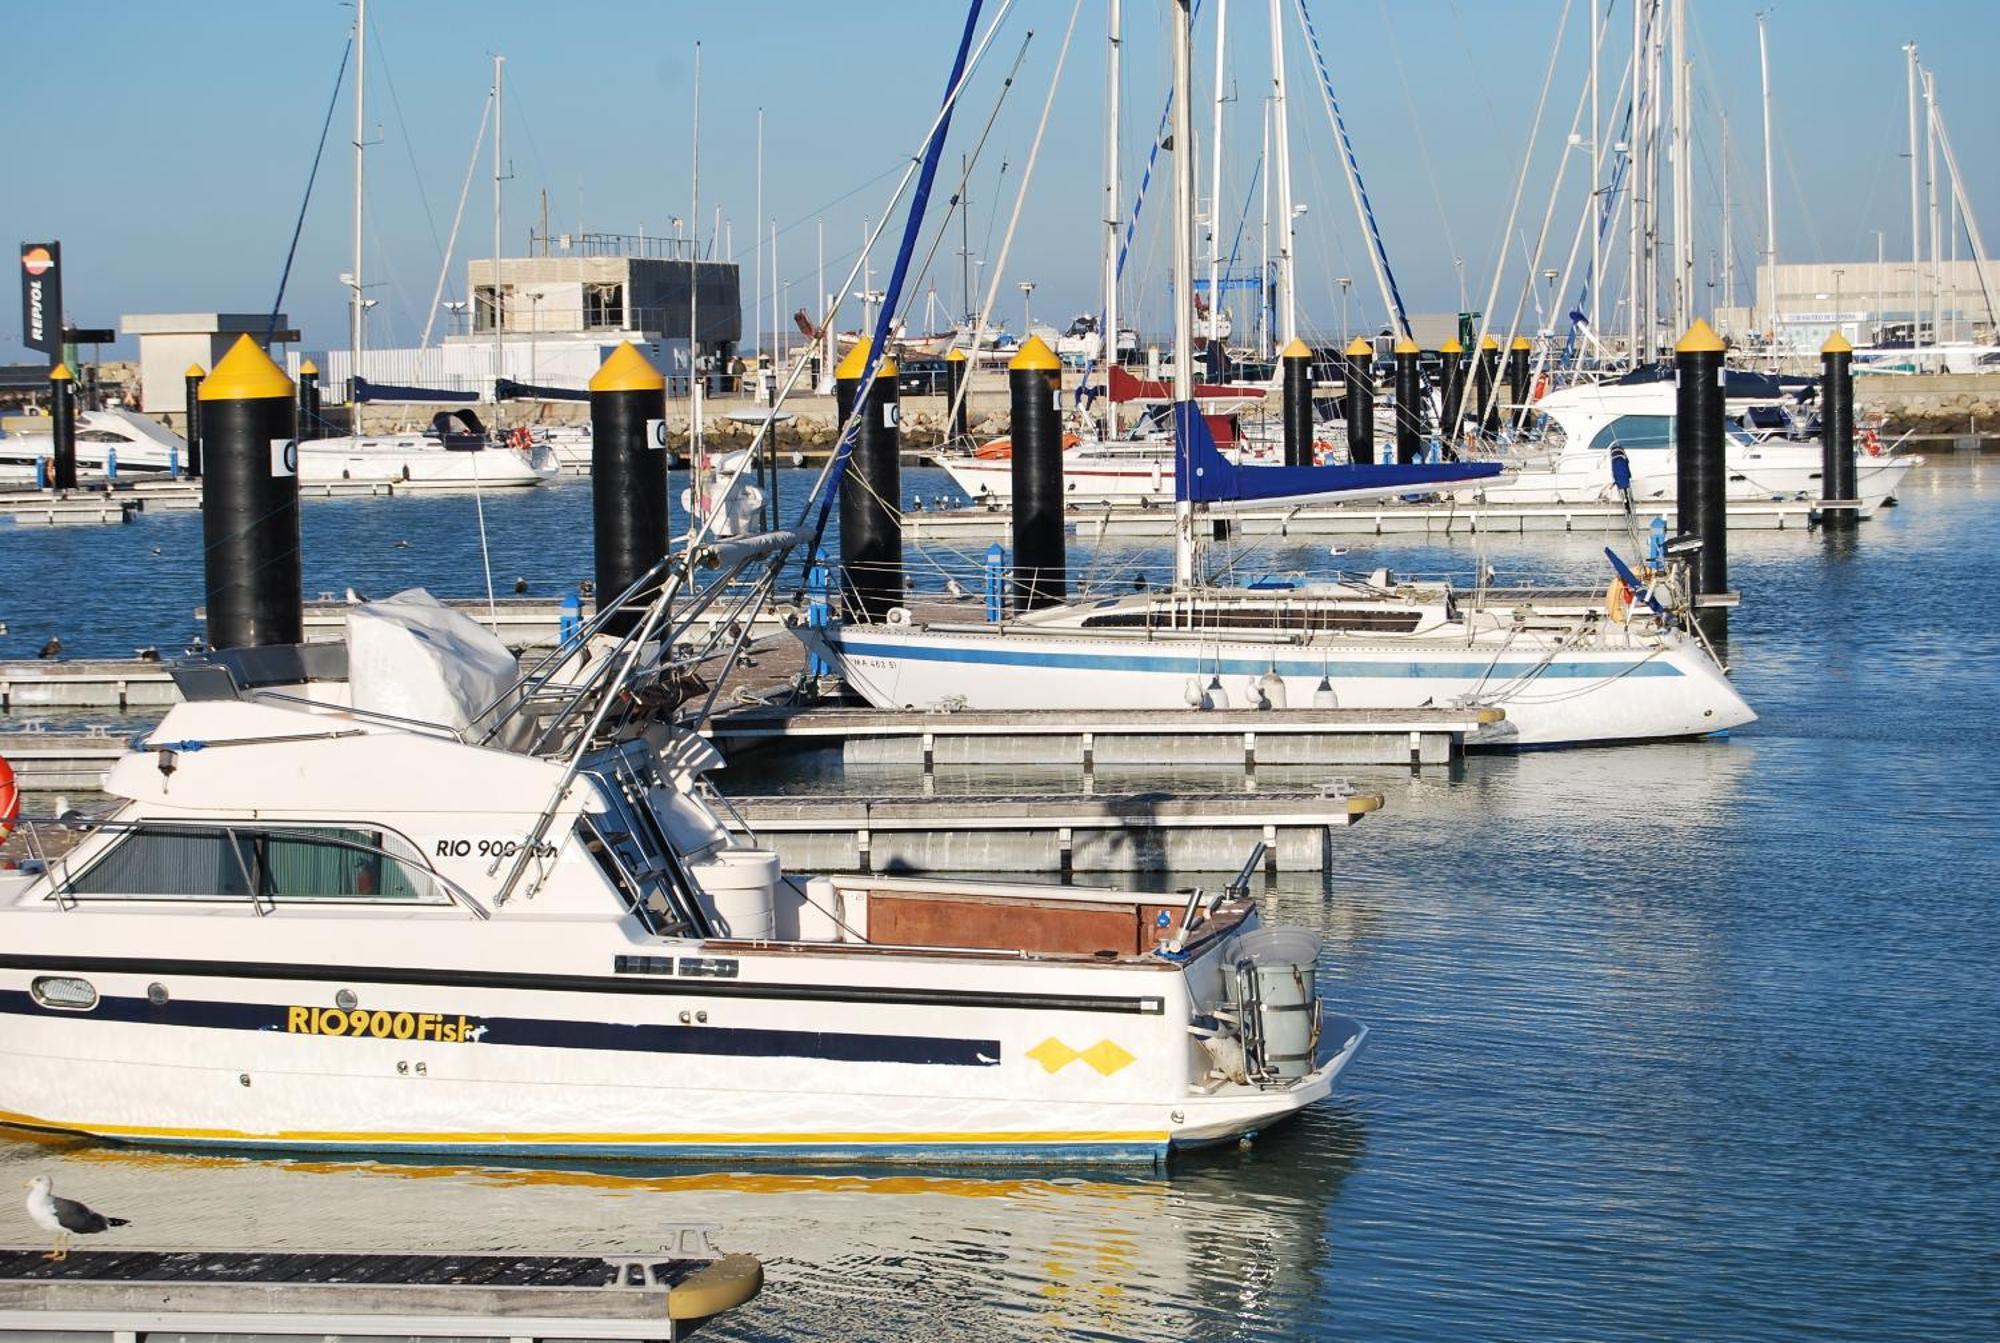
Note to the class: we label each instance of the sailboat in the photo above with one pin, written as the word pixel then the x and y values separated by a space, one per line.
pixel 1562 677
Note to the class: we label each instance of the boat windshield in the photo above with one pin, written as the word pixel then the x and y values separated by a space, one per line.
pixel 184 861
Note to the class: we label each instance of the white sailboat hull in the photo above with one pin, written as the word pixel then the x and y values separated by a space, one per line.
pixel 1552 697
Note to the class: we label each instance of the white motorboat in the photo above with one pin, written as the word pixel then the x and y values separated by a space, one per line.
pixel 356 908
pixel 1569 460
pixel 143 447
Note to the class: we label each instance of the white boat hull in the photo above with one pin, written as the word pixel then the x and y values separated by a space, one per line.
pixel 1552 698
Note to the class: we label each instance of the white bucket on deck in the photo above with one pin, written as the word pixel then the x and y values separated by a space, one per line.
pixel 1273 979
pixel 822 913
pixel 739 887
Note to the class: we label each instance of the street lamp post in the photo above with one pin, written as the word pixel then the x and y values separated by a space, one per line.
pixel 1027 288
pixel 1345 335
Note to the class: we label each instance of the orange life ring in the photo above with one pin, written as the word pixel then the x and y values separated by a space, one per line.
pixel 10 800
pixel 519 437
pixel 1871 441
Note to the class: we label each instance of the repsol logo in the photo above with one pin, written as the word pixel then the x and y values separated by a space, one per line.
pixel 361 1023
pixel 37 325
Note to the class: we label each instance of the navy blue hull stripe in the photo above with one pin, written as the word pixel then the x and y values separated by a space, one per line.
pixel 714 1041
pixel 1026 654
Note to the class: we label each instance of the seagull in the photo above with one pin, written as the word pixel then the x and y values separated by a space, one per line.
pixel 64 1217
pixel 147 654
pixel 156 550
pixel 51 649
pixel 402 545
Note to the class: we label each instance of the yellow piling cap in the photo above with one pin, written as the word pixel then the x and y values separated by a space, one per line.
pixel 626 370
pixel 1487 342
pixel 308 369
pixel 1451 347
pixel 195 371
pixel 1036 355
pixel 60 373
pixel 1296 350
pixel 1404 345
pixel 957 356
pixel 1700 339
pixel 1837 343
pixel 246 373
pixel 855 362
pixel 1521 343
pixel 1359 346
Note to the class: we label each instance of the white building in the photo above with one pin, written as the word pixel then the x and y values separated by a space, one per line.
pixel 170 341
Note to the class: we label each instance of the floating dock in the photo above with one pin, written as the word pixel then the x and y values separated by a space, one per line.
pixel 1089 522
pixel 1144 832
pixel 131 1296
pixel 86 683
pixel 1111 738
pixel 78 508
pixel 61 761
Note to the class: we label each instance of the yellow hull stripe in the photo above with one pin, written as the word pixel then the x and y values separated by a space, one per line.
pixel 577 1139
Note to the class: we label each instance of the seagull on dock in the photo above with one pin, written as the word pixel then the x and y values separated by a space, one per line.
pixel 520 585
pixel 51 649
pixel 64 1217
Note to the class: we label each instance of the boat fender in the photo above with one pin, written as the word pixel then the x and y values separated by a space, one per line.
pixel 10 800
pixel 1872 441
pixel 1617 600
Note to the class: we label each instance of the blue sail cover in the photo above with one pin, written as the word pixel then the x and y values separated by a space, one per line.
pixel 1203 475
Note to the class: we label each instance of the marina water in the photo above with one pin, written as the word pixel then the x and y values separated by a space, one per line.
pixel 1673 1041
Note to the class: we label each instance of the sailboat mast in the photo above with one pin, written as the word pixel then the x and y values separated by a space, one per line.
pixel 1183 289
pixel 1916 238
pixel 498 307
pixel 1770 195
pixel 1937 242
pixel 1288 312
pixel 355 309
pixel 694 291
pixel 1635 154
pixel 1728 232
pixel 1115 42
pixel 1596 165
pixel 1215 176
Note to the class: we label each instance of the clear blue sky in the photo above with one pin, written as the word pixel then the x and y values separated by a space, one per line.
pixel 167 146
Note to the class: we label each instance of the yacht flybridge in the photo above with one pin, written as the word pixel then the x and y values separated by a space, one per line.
pixel 390 896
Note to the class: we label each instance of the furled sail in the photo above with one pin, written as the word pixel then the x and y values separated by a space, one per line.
pixel 1203 475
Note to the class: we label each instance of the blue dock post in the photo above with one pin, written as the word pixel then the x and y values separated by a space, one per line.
pixel 110 466
pixel 819 584
pixel 41 473
pixel 569 620
pixel 996 581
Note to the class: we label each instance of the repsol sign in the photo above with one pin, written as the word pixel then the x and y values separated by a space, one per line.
pixel 41 297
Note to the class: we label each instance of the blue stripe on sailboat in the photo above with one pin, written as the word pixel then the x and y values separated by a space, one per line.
pixel 1196 663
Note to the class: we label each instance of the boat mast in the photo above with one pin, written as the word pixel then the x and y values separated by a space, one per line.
pixel 1113 50
pixel 1916 238
pixel 1288 326
pixel 1596 166
pixel 1728 247
pixel 1183 288
pixel 1937 243
pixel 694 291
pixel 1683 178
pixel 1635 153
pixel 355 309
pixel 498 309
pixel 1770 197
pixel 1215 178
pixel 1264 245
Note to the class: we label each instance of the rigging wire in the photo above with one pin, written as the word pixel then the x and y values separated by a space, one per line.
pixel 298 225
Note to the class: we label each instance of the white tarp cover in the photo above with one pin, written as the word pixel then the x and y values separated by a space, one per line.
pixel 412 656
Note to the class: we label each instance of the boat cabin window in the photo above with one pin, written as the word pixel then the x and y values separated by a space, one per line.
pixel 100 436
pixel 1633 432
pixel 179 862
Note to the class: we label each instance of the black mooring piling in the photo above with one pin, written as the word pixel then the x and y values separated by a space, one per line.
pixel 1409 401
pixel 955 366
pixel 309 401
pixel 871 532
pixel 1485 372
pixel 1296 403
pixel 193 378
pixel 1361 402
pixel 1701 501
pixel 250 502
pixel 1034 385
pixel 628 480
pixel 62 412
pixel 1451 390
pixel 1518 357
pixel 1836 400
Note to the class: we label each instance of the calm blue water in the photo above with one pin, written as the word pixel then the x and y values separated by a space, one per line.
pixel 1692 1041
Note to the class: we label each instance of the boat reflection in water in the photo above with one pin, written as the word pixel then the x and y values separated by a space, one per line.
pixel 1234 1242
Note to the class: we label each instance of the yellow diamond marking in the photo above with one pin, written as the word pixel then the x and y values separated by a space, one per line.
pixel 1106 1057
pixel 1053 1055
